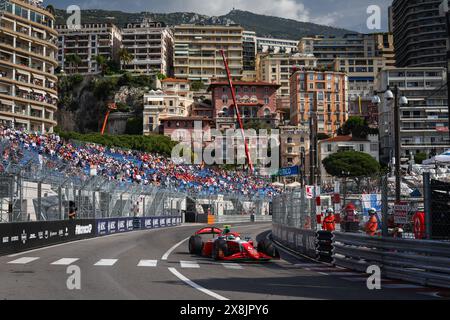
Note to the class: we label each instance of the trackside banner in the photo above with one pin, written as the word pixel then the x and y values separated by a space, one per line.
pixel 21 236
pixel 299 240
pixel 120 225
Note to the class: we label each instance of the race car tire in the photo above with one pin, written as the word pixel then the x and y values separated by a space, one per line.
pixel 219 245
pixel 268 248
pixel 195 245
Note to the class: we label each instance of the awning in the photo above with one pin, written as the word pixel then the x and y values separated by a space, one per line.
pixel 7 102
pixel 24 88
pixel 23 72
pixel 39 92
pixel 38 76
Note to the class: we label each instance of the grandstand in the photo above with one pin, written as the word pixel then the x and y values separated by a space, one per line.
pixel 125 166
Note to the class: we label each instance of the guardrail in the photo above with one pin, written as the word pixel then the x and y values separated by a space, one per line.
pixel 422 262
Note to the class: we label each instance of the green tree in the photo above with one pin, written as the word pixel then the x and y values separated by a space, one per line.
pixel 356 126
pixel 125 57
pixel 322 136
pixel 161 76
pixel 102 62
pixel 74 61
pixel 197 86
pixel 420 157
pixel 351 164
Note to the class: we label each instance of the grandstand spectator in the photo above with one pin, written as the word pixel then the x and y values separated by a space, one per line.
pixel 129 165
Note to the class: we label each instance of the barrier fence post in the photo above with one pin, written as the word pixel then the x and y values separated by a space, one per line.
pixel 384 205
pixel 60 211
pixel 427 204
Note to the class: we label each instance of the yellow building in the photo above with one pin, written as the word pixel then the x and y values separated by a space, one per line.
pixel 197 54
pixel 28 46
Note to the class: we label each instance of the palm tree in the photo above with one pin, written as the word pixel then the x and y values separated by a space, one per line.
pixel 73 60
pixel 102 62
pixel 125 57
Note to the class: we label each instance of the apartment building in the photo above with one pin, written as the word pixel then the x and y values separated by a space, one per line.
pixel 88 42
pixel 322 94
pixel 174 100
pixel 277 68
pixel 256 102
pixel 327 147
pixel 294 146
pixel 249 56
pixel 424 121
pixel 361 56
pixel 197 55
pixel 420 33
pixel 272 45
pixel 151 45
pixel 28 85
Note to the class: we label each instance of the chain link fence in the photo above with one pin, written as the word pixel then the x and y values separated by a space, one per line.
pixel 299 208
pixel 45 189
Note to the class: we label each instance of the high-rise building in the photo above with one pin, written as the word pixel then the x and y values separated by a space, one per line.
pixel 271 45
pixel 28 46
pixel 322 94
pixel 294 146
pixel 87 42
pixel 249 56
pixel 277 68
pixel 420 34
pixel 361 56
pixel 197 55
pixel 151 47
pixel 424 121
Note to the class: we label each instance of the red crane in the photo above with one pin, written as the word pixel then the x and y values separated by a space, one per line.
pixel 111 106
pixel 238 115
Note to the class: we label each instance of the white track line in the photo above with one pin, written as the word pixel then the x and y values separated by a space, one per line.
pixel 189 265
pixel 233 266
pixel 196 286
pixel 167 254
pixel 23 260
pixel 106 262
pixel 65 261
pixel 402 286
pixel 148 263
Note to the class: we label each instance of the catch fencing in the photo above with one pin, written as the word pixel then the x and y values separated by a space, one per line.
pixel 47 189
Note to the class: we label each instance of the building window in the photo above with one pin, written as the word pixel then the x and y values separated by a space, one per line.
pixel 361 148
pixel 289 140
pixel 329 147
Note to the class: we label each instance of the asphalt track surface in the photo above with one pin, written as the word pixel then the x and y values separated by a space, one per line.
pixel 131 266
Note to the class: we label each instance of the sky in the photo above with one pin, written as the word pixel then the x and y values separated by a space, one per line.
pixel 349 14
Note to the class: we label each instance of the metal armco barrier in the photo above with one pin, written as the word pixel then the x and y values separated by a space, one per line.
pixel 301 241
pixel 422 262
pixel 158 222
pixel 22 236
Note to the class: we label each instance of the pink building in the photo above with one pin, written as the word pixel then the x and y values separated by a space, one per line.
pixel 182 129
pixel 256 101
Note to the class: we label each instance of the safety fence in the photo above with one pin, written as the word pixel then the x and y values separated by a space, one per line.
pixel 426 263
pixel 22 236
pixel 424 214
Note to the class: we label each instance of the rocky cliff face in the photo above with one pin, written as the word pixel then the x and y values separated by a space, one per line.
pixel 83 101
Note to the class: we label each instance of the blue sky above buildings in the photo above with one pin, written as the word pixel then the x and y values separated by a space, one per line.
pixel 350 14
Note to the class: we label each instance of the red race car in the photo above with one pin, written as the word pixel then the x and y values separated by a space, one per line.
pixel 229 246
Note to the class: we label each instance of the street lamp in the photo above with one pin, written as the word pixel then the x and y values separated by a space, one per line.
pixel 393 95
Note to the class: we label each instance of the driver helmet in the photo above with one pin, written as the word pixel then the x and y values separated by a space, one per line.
pixel 372 211
pixel 231 237
pixel 329 211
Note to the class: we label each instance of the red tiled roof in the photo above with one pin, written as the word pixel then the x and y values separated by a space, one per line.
pixel 174 80
pixel 343 139
pixel 244 83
